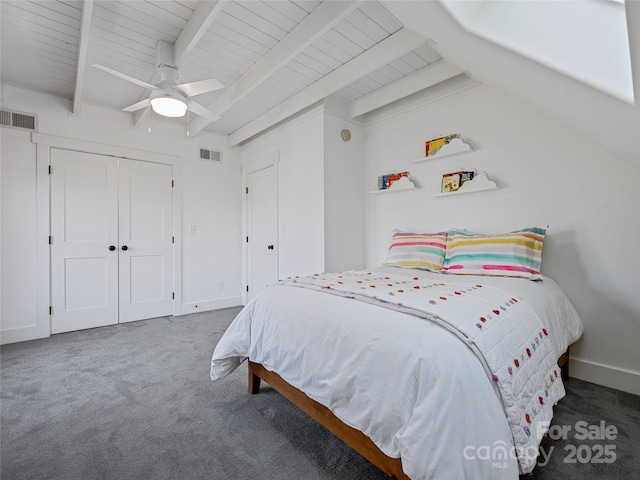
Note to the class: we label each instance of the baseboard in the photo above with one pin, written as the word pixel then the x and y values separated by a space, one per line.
pixel 211 305
pixel 606 375
pixel 21 334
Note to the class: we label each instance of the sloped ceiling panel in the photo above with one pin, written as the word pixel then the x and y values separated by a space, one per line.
pixel 40 44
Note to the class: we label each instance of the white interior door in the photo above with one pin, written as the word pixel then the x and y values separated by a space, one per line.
pixel 84 239
pixel 262 229
pixel 146 241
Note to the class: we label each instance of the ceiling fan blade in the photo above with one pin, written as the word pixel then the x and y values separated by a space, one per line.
pixel 197 88
pixel 202 111
pixel 137 106
pixel 124 76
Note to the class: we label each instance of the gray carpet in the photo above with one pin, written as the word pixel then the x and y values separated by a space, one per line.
pixel 134 401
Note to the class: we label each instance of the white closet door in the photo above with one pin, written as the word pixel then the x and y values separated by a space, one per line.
pixel 84 231
pixel 146 247
pixel 262 229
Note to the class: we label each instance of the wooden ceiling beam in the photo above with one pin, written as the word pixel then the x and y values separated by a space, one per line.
pixel 392 47
pixel 199 22
pixel 324 17
pixel 428 76
pixel 83 46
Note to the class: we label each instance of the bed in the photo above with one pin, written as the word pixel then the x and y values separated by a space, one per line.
pixel 426 375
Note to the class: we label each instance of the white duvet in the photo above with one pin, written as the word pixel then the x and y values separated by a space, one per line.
pixel 416 389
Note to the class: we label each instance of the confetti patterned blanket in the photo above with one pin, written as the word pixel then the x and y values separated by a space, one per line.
pixel 500 328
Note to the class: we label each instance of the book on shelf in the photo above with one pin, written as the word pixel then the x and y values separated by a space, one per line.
pixel 451 182
pixel 432 146
pixel 385 181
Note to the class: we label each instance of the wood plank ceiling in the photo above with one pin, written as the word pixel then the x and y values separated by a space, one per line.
pixel 275 57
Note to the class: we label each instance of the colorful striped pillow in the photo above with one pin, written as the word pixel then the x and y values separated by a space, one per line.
pixel 417 250
pixel 514 254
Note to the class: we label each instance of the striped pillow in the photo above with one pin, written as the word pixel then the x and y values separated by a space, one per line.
pixel 417 250
pixel 514 254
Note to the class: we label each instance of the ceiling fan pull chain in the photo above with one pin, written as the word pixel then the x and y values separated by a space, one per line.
pixel 188 121
pixel 149 117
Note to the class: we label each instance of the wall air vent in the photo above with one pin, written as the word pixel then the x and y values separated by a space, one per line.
pixel 210 155
pixel 25 121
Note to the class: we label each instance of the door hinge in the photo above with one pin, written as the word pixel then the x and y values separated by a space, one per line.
pixel 50 240
pixel 172 184
pixel 247 190
pixel 247 288
pixel 173 239
pixel 173 295
pixel 247 239
pixel 50 310
pixel 49 169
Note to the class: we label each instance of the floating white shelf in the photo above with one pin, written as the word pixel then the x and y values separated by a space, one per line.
pixel 455 147
pixel 479 183
pixel 402 185
pixel 394 190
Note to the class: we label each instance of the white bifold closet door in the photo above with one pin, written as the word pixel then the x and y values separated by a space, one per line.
pixel 112 244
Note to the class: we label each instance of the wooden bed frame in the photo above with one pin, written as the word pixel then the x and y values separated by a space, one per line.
pixel 352 437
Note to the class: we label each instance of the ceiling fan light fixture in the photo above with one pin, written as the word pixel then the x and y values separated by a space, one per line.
pixel 169 106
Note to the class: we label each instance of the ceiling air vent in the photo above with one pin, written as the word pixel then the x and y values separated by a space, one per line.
pixel 13 119
pixel 211 155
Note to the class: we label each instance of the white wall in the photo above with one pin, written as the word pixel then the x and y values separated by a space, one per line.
pixel 18 232
pixel 299 144
pixel 547 175
pixel 320 191
pixel 344 194
pixel 210 198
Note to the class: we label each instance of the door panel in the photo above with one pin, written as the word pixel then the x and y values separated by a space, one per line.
pixel 147 278
pixel 262 229
pixel 93 290
pixel 84 223
pixel 146 219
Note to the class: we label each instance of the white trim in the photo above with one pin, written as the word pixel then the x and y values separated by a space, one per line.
pixel 44 144
pixel 65 143
pixel 256 166
pixel 20 334
pixel 208 305
pixel 177 246
pixel 43 230
pixel 606 375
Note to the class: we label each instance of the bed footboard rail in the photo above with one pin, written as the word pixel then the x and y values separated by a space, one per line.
pixel 352 437
pixel 563 363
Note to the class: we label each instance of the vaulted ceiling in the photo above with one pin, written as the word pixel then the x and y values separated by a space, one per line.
pixel 274 57
pixel 278 57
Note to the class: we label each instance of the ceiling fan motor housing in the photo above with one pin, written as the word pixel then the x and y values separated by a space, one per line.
pixel 168 75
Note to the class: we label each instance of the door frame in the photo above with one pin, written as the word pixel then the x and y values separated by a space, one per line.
pixel 44 143
pixel 266 161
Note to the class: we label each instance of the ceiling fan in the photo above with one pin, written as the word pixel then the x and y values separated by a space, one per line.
pixel 168 98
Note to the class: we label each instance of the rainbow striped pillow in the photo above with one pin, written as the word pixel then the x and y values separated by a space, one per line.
pixel 417 250
pixel 514 254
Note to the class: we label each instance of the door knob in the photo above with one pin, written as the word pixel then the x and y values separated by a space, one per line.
pixel 270 247
pixel 124 247
pixel 112 247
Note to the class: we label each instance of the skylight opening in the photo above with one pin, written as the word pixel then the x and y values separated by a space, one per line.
pixel 586 40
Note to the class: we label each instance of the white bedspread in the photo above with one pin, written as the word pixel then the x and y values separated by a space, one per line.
pixel 412 386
